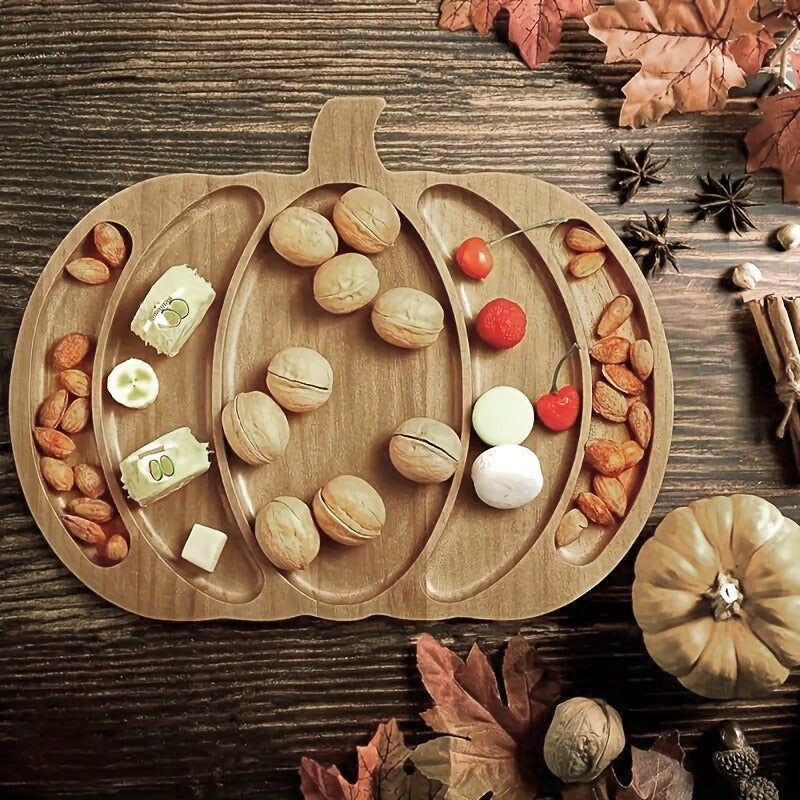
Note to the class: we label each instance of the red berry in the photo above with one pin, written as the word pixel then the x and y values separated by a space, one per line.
pixel 559 410
pixel 474 257
pixel 501 323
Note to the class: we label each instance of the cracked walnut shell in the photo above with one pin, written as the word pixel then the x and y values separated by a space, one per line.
pixel 366 220
pixel 300 379
pixel 349 510
pixel 425 450
pixel 407 317
pixel 255 427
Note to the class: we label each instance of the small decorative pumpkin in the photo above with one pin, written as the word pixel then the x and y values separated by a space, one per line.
pixel 717 596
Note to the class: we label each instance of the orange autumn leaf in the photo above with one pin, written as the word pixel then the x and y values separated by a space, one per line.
pixel 382 773
pixel 692 52
pixel 774 143
pixel 534 26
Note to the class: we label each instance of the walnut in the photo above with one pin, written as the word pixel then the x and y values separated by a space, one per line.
pixel 255 427
pixel 366 220
pixel 345 283
pixel 303 237
pixel 425 450
pixel 407 317
pixel 287 533
pixel 349 510
pixel 584 737
pixel 300 379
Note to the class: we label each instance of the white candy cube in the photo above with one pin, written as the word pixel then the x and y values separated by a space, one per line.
pixel 204 547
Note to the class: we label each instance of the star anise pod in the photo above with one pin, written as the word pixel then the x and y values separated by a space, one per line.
pixel 634 172
pixel 650 245
pixel 726 198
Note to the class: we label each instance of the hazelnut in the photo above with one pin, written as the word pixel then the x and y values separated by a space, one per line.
pixel 584 737
pixel 303 237
pixel 255 427
pixel 425 450
pixel 789 236
pixel 345 283
pixel 287 533
pixel 745 275
pixel 349 510
pixel 366 220
pixel 300 378
pixel 407 317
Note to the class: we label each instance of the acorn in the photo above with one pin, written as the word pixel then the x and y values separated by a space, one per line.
pixel 736 761
pixel 759 789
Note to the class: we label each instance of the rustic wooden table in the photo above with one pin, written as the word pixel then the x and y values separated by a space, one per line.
pixel 98 95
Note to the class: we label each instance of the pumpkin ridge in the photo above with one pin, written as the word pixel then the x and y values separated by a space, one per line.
pixel 746 616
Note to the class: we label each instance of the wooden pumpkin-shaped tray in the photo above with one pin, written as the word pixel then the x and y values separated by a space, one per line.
pixel 442 552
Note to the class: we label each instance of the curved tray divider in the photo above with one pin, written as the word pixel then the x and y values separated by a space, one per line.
pixel 543 559
pixel 405 201
pixel 188 598
pixel 517 191
pixel 276 589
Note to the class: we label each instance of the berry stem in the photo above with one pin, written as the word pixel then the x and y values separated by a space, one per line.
pixel 554 386
pixel 529 228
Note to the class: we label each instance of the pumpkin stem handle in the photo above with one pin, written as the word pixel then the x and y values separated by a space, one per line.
pixel 726 599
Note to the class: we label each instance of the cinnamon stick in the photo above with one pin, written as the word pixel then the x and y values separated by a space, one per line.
pixel 775 358
pixel 793 307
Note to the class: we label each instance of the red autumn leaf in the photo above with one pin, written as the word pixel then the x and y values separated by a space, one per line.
pixel 774 142
pixel 688 51
pixel 658 773
pixel 534 26
pixel 489 742
pixel 381 773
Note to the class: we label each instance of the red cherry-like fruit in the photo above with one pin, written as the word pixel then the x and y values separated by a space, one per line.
pixel 474 257
pixel 501 323
pixel 559 410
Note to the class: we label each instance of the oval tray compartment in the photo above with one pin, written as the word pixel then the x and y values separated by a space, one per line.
pixel 442 553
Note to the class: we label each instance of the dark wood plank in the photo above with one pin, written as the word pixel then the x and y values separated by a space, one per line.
pixel 98 95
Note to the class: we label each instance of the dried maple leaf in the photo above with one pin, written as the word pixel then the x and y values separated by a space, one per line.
pixel 775 142
pixel 491 745
pixel 688 51
pixel 658 773
pixel 601 788
pixel 382 773
pixel 534 26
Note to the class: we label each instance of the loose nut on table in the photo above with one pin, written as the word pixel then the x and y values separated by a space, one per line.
pixel 407 317
pixel 287 534
pixel 303 237
pixel 300 379
pixel 366 220
pixel 255 427
pixel 349 510
pixel 425 450
pixel 346 283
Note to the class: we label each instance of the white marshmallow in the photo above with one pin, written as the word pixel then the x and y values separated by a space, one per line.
pixel 507 476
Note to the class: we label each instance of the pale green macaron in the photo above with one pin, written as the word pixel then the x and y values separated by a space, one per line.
pixel 503 415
